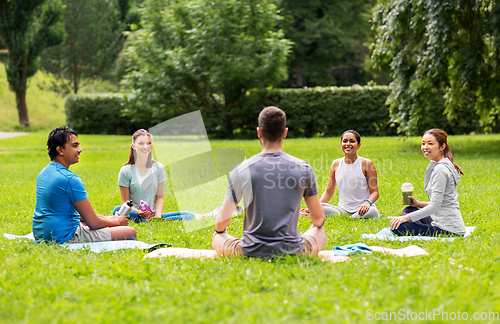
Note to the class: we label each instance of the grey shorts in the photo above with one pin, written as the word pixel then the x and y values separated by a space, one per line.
pixel 84 234
pixel 314 241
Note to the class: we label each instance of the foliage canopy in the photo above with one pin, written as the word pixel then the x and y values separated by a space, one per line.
pixel 326 34
pixel 26 28
pixel 94 39
pixel 203 54
pixel 441 53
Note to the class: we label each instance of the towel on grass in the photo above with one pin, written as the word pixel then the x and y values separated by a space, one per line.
pixel 98 247
pixel 387 234
pixel 351 249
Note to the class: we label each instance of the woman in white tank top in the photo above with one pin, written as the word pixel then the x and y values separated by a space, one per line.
pixel 356 179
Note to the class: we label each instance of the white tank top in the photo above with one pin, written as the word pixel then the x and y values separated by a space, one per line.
pixel 352 185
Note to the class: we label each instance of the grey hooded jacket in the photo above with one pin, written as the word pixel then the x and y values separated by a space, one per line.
pixel 441 181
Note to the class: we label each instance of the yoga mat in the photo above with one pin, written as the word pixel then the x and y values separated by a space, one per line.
pixel 181 253
pixel 388 235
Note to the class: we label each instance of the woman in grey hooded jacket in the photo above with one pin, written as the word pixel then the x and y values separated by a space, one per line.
pixel 441 215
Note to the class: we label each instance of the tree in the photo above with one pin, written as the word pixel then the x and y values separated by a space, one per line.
pixel 325 34
pixel 123 8
pixel 203 54
pixel 442 53
pixel 94 41
pixel 27 27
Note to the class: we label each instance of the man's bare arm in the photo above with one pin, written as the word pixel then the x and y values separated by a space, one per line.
pixel 316 212
pixel 95 221
pixel 225 215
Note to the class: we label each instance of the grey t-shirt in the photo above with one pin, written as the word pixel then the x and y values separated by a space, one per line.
pixel 272 186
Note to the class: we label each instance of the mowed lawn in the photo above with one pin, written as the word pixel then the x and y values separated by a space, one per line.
pixel 48 284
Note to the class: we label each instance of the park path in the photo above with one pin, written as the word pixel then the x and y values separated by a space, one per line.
pixel 4 135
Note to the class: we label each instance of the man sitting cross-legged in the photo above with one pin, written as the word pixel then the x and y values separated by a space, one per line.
pixel 272 184
pixel 62 203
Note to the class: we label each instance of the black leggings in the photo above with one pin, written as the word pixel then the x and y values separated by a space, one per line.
pixel 420 227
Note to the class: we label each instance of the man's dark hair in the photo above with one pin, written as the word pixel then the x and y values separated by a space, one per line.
pixel 272 123
pixel 58 137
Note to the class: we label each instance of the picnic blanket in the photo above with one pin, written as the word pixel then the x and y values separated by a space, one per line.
pixel 388 235
pixel 98 247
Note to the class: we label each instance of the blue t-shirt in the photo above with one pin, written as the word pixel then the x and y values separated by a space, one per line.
pixel 55 218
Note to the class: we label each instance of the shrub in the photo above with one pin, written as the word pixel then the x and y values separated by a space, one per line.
pixel 203 54
pixel 98 114
pixel 322 111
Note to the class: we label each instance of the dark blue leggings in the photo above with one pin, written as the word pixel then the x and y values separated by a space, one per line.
pixel 420 227
pixel 173 216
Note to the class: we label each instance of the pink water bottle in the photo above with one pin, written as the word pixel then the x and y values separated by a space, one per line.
pixel 143 206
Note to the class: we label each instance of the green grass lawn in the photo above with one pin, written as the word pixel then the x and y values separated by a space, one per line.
pixel 41 283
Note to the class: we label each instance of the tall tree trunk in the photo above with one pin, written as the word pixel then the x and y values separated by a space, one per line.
pixel 76 81
pixel 22 108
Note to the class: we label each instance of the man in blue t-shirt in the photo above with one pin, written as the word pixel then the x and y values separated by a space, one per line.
pixel 271 184
pixel 63 212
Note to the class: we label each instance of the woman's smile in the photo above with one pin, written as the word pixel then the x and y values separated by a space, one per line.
pixel 349 143
pixel 430 148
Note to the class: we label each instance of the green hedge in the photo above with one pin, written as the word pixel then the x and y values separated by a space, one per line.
pixel 310 112
pixel 332 110
pixel 322 111
pixel 98 114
